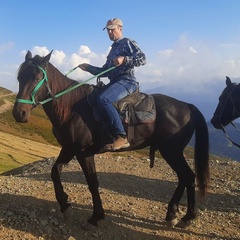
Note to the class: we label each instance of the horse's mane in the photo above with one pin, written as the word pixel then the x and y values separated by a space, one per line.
pixel 62 106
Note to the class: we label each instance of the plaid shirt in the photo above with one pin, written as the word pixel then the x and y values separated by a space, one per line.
pixel 134 58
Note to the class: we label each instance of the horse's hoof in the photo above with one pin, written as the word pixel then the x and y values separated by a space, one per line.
pixel 172 223
pixel 88 226
pixel 183 224
pixel 67 213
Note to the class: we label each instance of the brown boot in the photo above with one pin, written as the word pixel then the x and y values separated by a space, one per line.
pixel 108 147
pixel 120 142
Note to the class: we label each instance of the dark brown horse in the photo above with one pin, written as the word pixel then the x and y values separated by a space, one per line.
pixel 77 131
pixel 228 108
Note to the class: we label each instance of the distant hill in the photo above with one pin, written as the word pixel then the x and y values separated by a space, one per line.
pixel 220 145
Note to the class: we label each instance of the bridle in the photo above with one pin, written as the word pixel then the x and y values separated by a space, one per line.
pixel 34 91
pixel 234 113
pixel 229 97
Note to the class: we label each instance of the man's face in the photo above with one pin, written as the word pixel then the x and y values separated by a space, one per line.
pixel 115 34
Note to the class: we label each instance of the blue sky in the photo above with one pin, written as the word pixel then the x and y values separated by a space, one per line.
pixel 190 45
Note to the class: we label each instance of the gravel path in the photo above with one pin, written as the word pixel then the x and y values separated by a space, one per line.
pixel 134 196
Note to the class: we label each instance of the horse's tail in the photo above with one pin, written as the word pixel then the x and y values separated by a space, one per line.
pixel 201 153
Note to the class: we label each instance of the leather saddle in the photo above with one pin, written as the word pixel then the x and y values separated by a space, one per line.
pixel 133 109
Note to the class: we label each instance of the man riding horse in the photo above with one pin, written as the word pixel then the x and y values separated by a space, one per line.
pixel 125 55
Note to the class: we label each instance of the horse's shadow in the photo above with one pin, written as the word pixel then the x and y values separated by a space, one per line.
pixel 156 190
pixel 50 224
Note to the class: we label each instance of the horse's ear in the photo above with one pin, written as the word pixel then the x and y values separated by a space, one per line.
pixel 28 56
pixel 228 81
pixel 47 57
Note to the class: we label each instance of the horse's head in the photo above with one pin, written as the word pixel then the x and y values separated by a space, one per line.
pixel 227 108
pixel 33 85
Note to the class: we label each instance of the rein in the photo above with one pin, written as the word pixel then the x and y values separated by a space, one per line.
pixel 45 79
pixel 227 136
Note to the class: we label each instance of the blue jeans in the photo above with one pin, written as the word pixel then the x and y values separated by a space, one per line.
pixel 112 93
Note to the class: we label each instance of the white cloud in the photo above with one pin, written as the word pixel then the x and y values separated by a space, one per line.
pixel 167 52
pixel 193 65
pixel 187 65
pixel 58 57
pixel 41 51
pixel 67 62
pixel 192 50
pixel 84 50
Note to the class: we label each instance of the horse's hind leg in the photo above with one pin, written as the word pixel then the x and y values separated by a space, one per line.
pixel 62 198
pixel 89 169
pixel 186 179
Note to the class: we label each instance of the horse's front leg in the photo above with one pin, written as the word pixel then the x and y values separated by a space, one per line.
pixel 89 169
pixel 62 198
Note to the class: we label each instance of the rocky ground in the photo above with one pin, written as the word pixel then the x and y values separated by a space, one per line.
pixel 134 196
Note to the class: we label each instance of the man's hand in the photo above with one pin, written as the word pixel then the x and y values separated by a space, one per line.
pixel 83 66
pixel 119 61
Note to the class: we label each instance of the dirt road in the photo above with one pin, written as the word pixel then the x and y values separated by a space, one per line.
pixel 135 199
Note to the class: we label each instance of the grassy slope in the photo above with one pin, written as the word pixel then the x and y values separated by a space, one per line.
pixel 38 129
